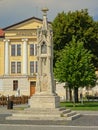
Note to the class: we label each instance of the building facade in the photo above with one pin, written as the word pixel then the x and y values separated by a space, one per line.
pixel 18 57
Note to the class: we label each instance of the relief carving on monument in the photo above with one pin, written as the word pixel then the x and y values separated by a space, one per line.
pixel 44 83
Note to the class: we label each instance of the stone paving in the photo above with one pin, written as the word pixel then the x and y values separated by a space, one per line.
pixel 88 118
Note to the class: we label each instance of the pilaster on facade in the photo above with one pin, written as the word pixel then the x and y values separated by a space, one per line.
pixel 6 51
pixel 25 56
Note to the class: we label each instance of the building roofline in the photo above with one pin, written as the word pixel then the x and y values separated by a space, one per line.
pixel 22 22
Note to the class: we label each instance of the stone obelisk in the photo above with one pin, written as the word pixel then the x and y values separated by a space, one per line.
pixel 45 96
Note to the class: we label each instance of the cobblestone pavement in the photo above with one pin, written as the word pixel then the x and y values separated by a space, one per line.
pixel 87 119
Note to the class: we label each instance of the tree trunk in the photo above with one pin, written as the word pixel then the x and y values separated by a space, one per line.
pixel 67 97
pixel 76 95
pixel 70 94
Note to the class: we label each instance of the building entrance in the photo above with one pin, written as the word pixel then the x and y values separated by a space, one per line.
pixel 32 87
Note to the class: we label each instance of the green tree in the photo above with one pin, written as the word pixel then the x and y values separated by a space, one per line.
pixel 79 24
pixel 75 67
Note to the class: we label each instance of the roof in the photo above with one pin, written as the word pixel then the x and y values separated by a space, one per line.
pixel 1 33
pixel 26 20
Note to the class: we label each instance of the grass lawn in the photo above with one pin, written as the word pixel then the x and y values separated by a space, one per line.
pixel 90 106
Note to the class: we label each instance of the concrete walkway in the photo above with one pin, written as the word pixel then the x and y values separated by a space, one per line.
pixel 88 112
pixel 4 110
pixel 88 118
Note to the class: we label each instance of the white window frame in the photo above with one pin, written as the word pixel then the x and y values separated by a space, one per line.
pixel 16 63
pixel 17 67
pixel 35 62
pixel 35 49
pixel 16 50
pixel 14 69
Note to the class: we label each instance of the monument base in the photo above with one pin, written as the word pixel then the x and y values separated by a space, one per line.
pixel 44 107
pixel 40 101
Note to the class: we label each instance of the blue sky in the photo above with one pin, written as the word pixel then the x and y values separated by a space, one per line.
pixel 13 11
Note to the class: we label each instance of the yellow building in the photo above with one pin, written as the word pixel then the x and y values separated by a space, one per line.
pixel 18 62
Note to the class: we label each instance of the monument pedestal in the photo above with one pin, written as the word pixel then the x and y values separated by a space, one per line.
pixel 40 101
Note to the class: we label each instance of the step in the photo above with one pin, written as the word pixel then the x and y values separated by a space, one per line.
pixel 69 114
pixel 74 116
pixel 66 111
pixel 42 111
pixel 42 117
pixel 49 114
pixel 34 118
pixel 35 115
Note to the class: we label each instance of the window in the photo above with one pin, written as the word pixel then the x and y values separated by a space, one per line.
pixel 16 50
pixel 12 67
pixel 33 83
pixel 15 67
pixel 31 49
pixel 32 67
pixel 18 67
pixel 15 85
pixel 12 50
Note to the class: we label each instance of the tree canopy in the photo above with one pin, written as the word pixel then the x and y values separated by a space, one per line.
pixel 80 24
pixel 75 66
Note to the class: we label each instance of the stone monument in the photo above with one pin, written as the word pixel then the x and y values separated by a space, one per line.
pixel 45 103
pixel 45 96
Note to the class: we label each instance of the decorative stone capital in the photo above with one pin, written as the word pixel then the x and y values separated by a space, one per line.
pixel 6 40
pixel 24 40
